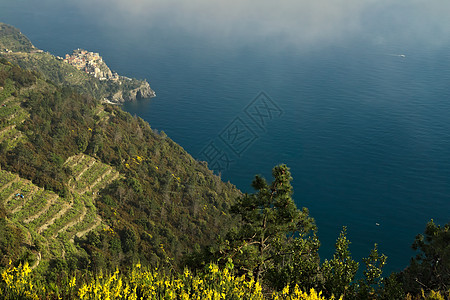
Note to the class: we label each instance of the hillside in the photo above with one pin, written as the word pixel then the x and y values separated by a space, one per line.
pixel 86 183
pixel 16 47
pixel 95 203
pixel 11 39
pixel 83 182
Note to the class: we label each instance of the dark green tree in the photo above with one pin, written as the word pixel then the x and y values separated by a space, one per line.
pixel 297 262
pixel 392 288
pixel 430 269
pixel 272 227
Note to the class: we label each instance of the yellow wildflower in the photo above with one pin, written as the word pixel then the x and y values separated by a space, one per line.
pixel 72 282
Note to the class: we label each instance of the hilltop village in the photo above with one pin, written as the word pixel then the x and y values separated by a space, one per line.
pixel 107 86
pixel 91 63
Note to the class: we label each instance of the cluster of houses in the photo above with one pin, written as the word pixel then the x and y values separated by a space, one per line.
pixel 91 63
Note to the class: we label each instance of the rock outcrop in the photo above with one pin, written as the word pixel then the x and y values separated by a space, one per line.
pixel 142 92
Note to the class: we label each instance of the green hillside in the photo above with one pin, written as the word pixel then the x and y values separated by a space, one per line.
pixel 81 179
pixel 95 204
pixel 13 40
pixel 16 48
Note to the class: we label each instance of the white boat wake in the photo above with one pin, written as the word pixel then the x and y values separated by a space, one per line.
pixel 398 55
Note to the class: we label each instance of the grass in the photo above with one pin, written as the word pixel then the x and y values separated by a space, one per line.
pixel 8 110
pixel 19 116
pixel 13 138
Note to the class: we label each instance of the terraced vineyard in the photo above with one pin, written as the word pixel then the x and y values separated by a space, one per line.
pixel 50 219
pixel 89 175
pixel 11 114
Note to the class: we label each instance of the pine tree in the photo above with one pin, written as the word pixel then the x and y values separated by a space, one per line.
pixel 430 269
pixel 272 227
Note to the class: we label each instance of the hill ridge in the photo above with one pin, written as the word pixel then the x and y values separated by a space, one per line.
pixel 16 47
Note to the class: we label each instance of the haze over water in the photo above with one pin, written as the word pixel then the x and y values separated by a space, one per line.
pixel 363 88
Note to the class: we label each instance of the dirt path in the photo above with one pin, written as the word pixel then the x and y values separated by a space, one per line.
pixel 116 175
pixel 28 239
pixel 69 159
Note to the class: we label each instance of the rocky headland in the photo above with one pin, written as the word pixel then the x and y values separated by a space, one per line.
pixel 83 70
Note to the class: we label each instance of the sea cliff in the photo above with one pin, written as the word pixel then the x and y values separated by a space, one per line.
pixel 84 71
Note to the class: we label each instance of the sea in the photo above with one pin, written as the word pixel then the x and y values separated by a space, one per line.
pixel 362 122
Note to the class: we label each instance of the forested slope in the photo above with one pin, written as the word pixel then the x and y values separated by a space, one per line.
pixel 104 183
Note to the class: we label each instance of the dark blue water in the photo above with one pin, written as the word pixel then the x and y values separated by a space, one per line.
pixel 365 131
pixel 366 135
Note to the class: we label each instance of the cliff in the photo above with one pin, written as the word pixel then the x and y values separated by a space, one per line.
pixel 143 91
pixel 84 71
